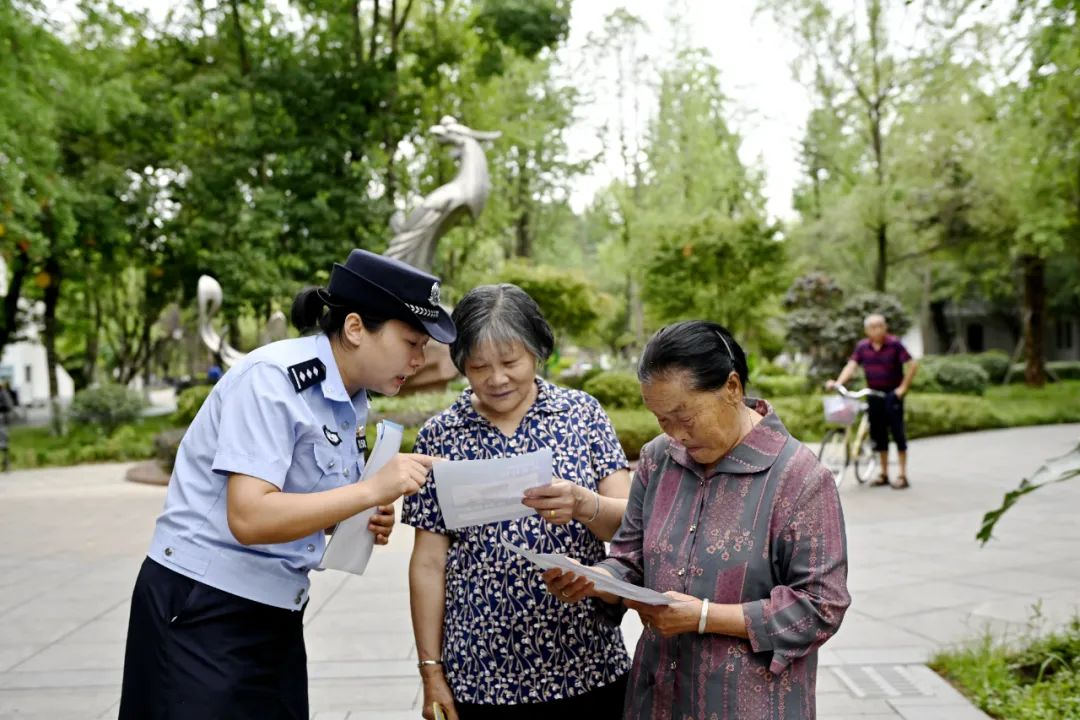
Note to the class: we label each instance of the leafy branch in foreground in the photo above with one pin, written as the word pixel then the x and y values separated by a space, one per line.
pixel 1059 469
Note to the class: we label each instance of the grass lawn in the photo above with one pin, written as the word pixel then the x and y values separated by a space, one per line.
pixel 1039 680
pixel 37 447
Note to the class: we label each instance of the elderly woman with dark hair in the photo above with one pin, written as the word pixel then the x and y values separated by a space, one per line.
pixel 739 524
pixel 491 642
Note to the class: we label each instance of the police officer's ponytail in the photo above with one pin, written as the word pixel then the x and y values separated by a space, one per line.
pixel 308 308
pixel 315 307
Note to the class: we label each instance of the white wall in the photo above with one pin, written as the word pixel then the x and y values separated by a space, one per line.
pixel 24 364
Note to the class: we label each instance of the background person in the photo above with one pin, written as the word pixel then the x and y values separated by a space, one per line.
pixel 882 357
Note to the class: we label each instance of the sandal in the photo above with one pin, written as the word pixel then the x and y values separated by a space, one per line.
pixel 881 480
pixel 901 483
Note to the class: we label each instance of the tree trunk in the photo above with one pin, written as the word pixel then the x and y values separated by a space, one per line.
pixel 358 36
pixel 521 225
pixel 20 267
pixel 52 298
pixel 93 342
pixel 1034 269
pixel 882 256
pixel 241 45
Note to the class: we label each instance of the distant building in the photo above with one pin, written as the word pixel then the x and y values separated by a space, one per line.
pixel 23 363
pixel 975 326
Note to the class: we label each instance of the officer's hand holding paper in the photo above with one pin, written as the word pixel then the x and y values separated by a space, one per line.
pixel 601 581
pixel 350 546
pixel 475 492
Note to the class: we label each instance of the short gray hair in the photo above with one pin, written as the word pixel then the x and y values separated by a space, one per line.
pixel 500 314
pixel 873 317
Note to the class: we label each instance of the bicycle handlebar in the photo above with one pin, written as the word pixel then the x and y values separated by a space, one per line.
pixel 858 394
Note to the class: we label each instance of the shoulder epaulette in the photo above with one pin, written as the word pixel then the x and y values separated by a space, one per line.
pixel 307 373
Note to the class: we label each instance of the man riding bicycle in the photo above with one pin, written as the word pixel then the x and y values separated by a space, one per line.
pixel 883 357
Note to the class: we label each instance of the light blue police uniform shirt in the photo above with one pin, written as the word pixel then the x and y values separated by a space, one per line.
pixel 256 423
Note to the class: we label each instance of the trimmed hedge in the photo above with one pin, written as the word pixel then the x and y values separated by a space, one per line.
pixel 634 428
pixel 106 406
pixel 774 386
pixel 954 374
pixel 577 382
pixel 188 404
pixel 615 390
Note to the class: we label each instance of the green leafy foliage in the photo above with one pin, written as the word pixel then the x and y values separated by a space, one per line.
pixel 615 389
pixel 951 374
pixel 1034 678
pixel 1056 470
pixel 713 267
pixel 566 298
pixel 106 406
pixel 634 428
pixel 578 381
pixel 771 386
pixel 33 447
pixel 189 402
pixel 826 327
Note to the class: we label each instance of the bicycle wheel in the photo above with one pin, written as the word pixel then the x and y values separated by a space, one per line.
pixel 866 462
pixel 866 459
pixel 833 453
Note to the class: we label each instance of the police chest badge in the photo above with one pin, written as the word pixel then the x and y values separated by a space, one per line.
pixel 361 441
pixel 332 436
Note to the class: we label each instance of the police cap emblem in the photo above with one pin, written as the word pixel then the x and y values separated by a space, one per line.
pixel 434 297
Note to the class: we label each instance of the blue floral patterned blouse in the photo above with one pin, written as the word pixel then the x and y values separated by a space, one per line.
pixel 506 640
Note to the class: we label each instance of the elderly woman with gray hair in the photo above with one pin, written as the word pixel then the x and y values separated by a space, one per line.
pixel 491 642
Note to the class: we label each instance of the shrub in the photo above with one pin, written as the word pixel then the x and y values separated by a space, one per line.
pixel 994 362
pixel 411 410
pixel 1064 369
pixel 634 428
pixel 929 414
pixel 615 390
pixel 189 402
pixel 772 386
pixel 166 445
pixel 958 374
pixel 577 382
pixel 803 416
pixel 961 377
pixel 106 406
pixel 825 326
pixel 767 367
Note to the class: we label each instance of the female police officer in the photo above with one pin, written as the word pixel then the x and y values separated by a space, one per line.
pixel 268 463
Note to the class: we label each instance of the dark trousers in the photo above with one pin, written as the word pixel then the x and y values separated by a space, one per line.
pixel 605 703
pixel 887 416
pixel 198 653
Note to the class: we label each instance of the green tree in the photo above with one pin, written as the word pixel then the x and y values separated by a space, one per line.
pixel 713 253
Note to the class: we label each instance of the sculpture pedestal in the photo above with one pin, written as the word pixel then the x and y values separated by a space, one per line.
pixel 436 374
pixel 149 472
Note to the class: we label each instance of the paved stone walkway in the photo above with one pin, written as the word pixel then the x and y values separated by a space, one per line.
pixel 71 541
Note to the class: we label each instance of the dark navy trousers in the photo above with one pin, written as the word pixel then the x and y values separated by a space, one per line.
pixel 886 415
pixel 198 653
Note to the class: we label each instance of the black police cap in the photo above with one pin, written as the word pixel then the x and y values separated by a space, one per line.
pixel 380 283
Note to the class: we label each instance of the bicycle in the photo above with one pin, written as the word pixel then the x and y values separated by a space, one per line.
pixel 849 444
